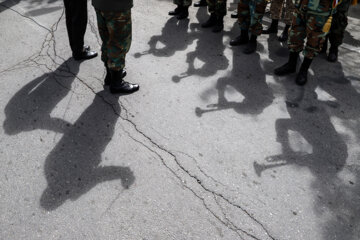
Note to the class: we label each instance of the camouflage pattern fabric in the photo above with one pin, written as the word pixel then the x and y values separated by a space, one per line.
pixel 309 26
pixel 277 7
pixel 250 14
pixel 115 32
pixel 339 24
pixel 217 6
pixel 184 3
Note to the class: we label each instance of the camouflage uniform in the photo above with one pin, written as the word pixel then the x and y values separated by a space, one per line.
pixel 277 7
pixel 183 3
pixel 339 23
pixel 115 32
pixel 309 19
pixel 250 14
pixel 217 6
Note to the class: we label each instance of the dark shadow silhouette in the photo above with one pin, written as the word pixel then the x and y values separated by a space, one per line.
pixel 247 78
pixel 8 4
pixel 33 3
pixel 73 166
pixel 349 39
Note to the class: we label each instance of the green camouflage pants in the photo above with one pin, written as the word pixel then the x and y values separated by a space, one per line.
pixel 184 3
pixel 309 26
pixel 115 32
pixel 339 24
pixel 218 7
pixel 277 8
pixel 250 14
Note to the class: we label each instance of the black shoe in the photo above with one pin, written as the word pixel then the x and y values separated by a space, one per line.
pixel 240 40
pixel 234 14
pixel 251 45
pixel 289 67
pixel 219 26
pixel 273 27
pixel 201 3
pixel 333 54
pixel 184 13
pixel 210 22
pixel 118 85
pixel 84 55
pixel 285 34
pixel 107 79
pixel 301 78
pixel 176 11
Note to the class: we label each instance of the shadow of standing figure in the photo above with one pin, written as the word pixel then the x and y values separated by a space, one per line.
pixel 72 168
pixel 247 78
pixel 174 37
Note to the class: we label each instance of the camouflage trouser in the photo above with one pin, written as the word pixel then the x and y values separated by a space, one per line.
pixel 115 32
pixel 339 23
pixel 309 26
pixel 277 7
pixel 184 3
pixel 250 14
pixel 217 6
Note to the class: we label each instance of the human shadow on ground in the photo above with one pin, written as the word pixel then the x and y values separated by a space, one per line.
pixel 246 78
pixel 311 117
pixel 73 167
pixel 32 3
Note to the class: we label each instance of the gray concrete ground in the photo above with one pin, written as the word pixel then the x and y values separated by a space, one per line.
pixel 213 146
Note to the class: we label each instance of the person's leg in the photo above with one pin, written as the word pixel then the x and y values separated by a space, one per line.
pixel 296 39
pixel 244 23
pixel 288 17
pixel 120 35
pixel 275 13
pixel 255 29
pixel 220 11
pixel 212 19
pixel 201 3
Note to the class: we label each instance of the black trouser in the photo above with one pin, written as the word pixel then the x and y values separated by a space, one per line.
pixel 76 21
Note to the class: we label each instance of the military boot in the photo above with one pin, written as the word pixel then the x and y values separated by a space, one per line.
pixel 234 14
pixel 273 27
pixel 333 54
pixel 201 3
pixel 251 45
pixel 240 40
pixel 107 79
pixel 285 34
pixel 301 78
pixel 184 13
pixel 289 67
pixel 219 25
pixel 118 85
pixel 210 22
pixel 176 11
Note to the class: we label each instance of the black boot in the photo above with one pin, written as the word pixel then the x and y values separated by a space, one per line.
pixel 241 40
pixel 219 26
pixel 285 34
pixel 273 27
pixel 201 3
pixel 107 79
pixel 333 54
pixel 301 78
pixel 210 22
pixel 184 13
pixel 289 67
pixel 118 85
pixel 176 11
pixel 234 14
pixel 251 46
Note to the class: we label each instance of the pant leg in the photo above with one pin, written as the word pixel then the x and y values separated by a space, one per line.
pixel 76 21
pixel 257 13
pixel 119 27
pixel 211 6
pixel 104 35
pixel 289 12
pixel 244 14
pixel 339 24
pixel 220 8
pixel 184 3
pixel 297 33
pixel 315 37
pixel 276 9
